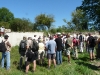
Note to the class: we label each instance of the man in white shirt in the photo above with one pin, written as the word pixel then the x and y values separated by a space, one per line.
pixel 2 29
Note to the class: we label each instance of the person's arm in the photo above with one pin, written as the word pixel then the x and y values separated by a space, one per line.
pixel 8 44
pixel 88 41
pixel 55 47
pixel 72 44
pixel 46 47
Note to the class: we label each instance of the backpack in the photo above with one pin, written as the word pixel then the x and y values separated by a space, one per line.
pixel 30 55
pixel 23 45
pixel 2 47
pixel 92 41
pixel 81 38
pixel 35 46
pixel 75 42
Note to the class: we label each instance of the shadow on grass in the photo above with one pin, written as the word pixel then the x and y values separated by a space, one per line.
pixel 86 59
pixel 23 67
pixel 93 67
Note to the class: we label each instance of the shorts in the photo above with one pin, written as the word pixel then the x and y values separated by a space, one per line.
pixel 40 54
pixel 67 52
pixel 51 56
pixel 30 57
pixel 91 49
pixel 27 62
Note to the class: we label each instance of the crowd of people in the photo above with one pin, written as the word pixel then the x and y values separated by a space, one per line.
pixel 34 49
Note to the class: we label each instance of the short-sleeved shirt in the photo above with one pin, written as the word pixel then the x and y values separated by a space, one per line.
pixel 91 41
pixel 41 46
pixel 51 45
pixel 2 29
pixel 69 41
pixel 59 43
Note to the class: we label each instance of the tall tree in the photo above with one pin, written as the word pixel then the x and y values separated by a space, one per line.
pixel 5 15
pixel 5 24
pixel 21 25
pixel 92 10
pixel 43 21
pixel 79 19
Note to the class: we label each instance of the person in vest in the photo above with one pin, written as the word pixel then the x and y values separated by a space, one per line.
pixel 51 50
pixel 41 51
pixel 68 46
pixel 6 54
pixel 22 50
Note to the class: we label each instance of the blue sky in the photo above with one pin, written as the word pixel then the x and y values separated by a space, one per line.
pixel 60 9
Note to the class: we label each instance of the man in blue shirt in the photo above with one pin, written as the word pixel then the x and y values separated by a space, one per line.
pixel 51 50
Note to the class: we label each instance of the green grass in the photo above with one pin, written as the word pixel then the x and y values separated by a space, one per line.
pixel 82 66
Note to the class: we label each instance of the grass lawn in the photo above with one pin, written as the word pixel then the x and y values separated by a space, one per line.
pixel 82 66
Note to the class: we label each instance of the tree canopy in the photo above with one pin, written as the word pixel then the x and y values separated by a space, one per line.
pixel 5 15
pixel 43 21
pixel 92 11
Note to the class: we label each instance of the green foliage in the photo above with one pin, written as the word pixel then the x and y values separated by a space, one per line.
pixel 43 20
pixel 5 15
pixel 20 25
pixel 53 30
pixel 92 11
pixel 5 24
pixel 82 66
pixel 79 20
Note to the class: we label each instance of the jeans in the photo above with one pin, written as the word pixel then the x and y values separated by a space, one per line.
pixel 59 57
pixel 7 56
pixel 91 49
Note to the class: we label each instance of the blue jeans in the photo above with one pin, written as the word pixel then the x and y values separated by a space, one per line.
pixel 7 56
pixel 59 57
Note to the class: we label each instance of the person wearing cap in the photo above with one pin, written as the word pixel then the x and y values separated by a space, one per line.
pixel 58 41
pixel 51 51
pixel 6 54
